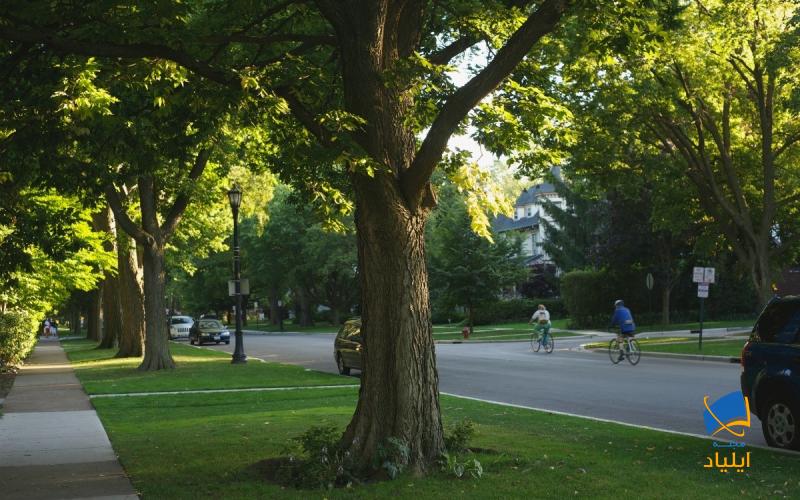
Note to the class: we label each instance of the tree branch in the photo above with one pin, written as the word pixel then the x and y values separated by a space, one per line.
pixel 789 142
pixel 267 39
pixel 130 227
pixel 134 50
pixel 182 201
pixel 458 105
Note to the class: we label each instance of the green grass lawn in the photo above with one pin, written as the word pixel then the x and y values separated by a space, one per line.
pixel 196 369
pixel 208 445
pixel 731 347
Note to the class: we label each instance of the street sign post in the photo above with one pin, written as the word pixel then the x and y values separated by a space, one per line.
pixel 703 276
pixel 648 281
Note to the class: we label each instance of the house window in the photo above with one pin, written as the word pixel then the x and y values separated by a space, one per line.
pixel 529 211
pixel 516 214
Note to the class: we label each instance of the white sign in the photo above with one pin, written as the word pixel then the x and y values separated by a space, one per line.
pixel 649 281
pixel 702 290
pixel 244 287
pixel 708 275
pixel 698 274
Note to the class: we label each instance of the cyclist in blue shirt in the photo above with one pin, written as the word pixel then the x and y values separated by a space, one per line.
pixel 624 320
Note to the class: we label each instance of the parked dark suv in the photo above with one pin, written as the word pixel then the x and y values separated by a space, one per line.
pixel 771 372
pixel 347 347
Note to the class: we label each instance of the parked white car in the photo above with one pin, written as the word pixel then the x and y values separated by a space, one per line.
pixel 179 327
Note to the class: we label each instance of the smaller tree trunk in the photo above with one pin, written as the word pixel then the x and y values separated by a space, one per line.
pixel 75 320
pixel 666 292
pixel 112 319
pixel 274 310
pixel 306 318
pixel 131 340
pixel 93 315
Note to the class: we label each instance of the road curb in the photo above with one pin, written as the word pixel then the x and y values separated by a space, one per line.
pixel 690 357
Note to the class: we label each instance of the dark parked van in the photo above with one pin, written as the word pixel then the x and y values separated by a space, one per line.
pixel 771 372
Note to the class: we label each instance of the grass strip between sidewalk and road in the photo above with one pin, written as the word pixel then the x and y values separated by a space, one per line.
pixel 209 445
pixel 196 369
pixel 686 345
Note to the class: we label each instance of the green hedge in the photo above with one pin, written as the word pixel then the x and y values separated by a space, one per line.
pixel 588 297
pixel 17 337
pixel 514 310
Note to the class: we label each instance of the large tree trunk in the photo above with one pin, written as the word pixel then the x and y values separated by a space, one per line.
pixel 156 337
pixel 112 319
pixel 93 315
pixel 399 384
pixel 131 340
pixel 156 343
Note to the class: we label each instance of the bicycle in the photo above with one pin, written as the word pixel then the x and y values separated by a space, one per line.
pixel 629 349
pixel 546 340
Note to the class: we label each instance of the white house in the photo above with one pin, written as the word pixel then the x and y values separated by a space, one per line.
pixel 528 214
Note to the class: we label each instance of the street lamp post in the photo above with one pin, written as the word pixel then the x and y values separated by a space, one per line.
pixel 235 197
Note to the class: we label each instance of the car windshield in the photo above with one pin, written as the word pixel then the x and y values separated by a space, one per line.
pixel 210 323
pixel 181 321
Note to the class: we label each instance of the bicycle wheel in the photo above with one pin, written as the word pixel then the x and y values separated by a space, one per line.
pixel 614 351
pixel 634 353
pixel 548 344
pixel 536 343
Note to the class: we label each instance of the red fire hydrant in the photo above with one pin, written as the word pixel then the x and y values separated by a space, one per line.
pixel 465 332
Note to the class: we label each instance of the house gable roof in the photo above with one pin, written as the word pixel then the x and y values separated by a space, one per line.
pixel 502 223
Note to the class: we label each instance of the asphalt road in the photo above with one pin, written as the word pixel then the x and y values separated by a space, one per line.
pixel 660 393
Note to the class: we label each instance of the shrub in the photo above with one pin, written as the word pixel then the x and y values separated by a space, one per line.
pixel 17 337
pixel 317 461
pixel 393 455
pixel 451 464
pixel 457 438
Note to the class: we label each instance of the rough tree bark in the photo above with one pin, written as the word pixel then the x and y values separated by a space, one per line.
pixel 131 341
pixel 399 384
pixel 112 319
pixel 93 315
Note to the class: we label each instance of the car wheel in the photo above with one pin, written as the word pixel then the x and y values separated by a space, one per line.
pixel 781 422
pixel 217 342
pixel 344 370
pixel 227 342
pixel 199 341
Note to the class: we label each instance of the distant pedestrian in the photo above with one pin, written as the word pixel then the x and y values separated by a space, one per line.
pixel 47 327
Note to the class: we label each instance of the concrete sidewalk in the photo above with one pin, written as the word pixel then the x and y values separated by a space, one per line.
pixel 52 444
